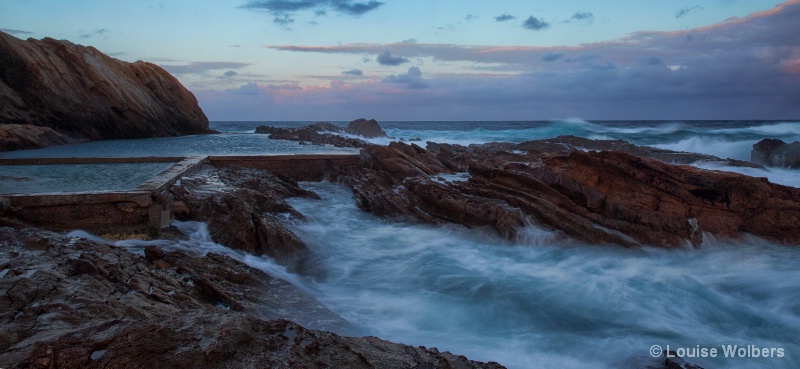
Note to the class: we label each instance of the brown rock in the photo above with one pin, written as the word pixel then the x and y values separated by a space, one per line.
pixel 83 304
pixel 244 209
pixel 27 136
pixel 82 93
pixel 594 197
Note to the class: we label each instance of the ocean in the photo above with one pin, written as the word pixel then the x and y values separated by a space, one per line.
pixel 532 302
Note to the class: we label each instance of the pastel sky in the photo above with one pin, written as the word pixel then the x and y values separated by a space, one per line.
pixel 447 59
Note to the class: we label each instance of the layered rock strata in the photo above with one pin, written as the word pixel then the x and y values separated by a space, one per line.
pixel 84 94
pixel 593 197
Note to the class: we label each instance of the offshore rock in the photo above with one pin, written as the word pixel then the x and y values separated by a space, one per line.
pixel 323 133
pixel 246 210
pixel 776 153
pixel 84 94
pixel 365 128
pixel 74 303
pixel 592 197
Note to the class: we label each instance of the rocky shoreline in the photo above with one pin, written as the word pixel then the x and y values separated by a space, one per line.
pixel 75 301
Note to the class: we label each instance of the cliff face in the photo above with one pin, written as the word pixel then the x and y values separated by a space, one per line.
pixel 85 94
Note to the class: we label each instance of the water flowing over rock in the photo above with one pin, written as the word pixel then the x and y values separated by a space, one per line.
pixel 776 153
pixel 70 302
pixel 326 133
pixel 84 94
pixel 246 210
pixel 594 197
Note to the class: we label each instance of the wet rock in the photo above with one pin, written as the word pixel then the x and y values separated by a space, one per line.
pixel 776 153
pixel 365 128
pixel 327 134
pixel 593 197
pixel 83 304
pixel 81 93
pixel 246 210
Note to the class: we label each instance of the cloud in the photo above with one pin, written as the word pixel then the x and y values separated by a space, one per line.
pixel 387 59
pixel 15 31
pixel 250 88
pixel 581 16
pixel 535 24
pixel 228 74
pixel 552 56
pixel 688 10
pixel 411 79
pixel 744 68
pixel 354 72
pixel 470 17
pixel 283 10
pixel 203 67
pixel 504 17
pixel 99 32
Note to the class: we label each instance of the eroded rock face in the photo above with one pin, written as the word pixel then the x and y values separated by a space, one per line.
pixel 246 210
pixel 74 303
pixel 85 94
pixel 593 197
pixel 776 153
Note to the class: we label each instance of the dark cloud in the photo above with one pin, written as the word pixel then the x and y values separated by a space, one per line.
pixel 15 31
pixel 504 17
pixel 202 67
pixel 581 16
pixel 353 72
pixel 409 41
pixel 551 57
pixel 687 10
pixel 99 32
pixel 535 24
pixel 283 10
pixel 411 79
pixel 351 8
pixel 387 59
pixel 228 74
pixel 470 17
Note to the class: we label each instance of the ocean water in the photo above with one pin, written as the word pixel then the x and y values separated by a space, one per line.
pixel 533 302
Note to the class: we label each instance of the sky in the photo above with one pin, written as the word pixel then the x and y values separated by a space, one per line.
pixel 309 60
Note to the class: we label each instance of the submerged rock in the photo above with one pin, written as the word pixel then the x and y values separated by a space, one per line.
pixel 776 153
pixel 84 94
pixel 74 303
pixel 593 197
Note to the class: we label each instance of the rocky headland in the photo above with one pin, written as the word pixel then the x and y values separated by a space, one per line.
pixel 53 92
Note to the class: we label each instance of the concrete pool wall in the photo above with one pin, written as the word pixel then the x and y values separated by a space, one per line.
pixel 148 206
